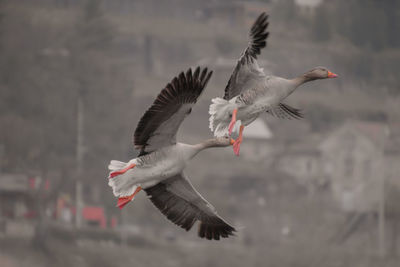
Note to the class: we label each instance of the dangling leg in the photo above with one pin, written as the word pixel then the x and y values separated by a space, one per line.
pixel 233 121
pixel 236 145
pixel 119 172
pixel 122 201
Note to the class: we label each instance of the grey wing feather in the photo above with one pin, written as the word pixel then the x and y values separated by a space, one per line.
pixel 284 111
pixel 247 74
pixel 159 125
pixel 249 96
pixel 177 199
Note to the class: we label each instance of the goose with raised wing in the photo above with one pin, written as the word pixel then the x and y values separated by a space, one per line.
pixel 250 92
pixel 158 169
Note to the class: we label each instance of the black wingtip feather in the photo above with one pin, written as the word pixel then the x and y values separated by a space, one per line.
pixel 196 73
pixel 185 215
pixel 258 36
pixel 184 88
pixel 258 40
pixel 215 230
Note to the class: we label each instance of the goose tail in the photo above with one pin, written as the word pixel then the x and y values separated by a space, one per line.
pixel 220 116
pixel 120 179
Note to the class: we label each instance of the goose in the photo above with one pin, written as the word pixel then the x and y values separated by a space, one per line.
pixel 250 92
pixel 158 169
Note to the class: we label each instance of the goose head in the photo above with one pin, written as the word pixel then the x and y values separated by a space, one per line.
pixel 319 73
pixel 222 141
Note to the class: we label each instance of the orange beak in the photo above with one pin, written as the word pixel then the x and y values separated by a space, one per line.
pixel 232 141
pixel 332 75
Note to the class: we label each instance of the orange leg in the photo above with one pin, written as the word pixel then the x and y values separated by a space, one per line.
pixel 236 145
pixel 122 201
pixel 233 121
pixel 113 174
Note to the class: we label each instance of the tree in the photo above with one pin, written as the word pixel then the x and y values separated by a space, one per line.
pixel 44 68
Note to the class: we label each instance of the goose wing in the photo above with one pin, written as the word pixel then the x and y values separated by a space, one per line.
pixel 159 125
pixel 247 74
pixel 179 201
pixel 284 111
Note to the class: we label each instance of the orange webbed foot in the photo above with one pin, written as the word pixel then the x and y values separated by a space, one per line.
pixel 119 172
pixel 233 121
pixel 122 201
pixel 236 144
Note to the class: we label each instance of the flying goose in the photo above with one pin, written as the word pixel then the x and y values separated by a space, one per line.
pixel 250 92
pixel 158 169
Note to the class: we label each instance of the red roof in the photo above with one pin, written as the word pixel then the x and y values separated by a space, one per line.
pixel 94 214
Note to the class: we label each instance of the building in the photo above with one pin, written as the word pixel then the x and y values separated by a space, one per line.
pixel 234 13
pixel 14 196
pixel 257 145
pixel 353 160
pixel 361 160
pixel 302 161
pixel 16 204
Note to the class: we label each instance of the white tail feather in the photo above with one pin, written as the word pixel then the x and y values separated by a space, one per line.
pixel 123 185
pixel 116 165
pixel 220 111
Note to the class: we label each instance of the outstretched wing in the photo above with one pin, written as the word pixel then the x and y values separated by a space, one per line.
pixel 284 111
pixel 247 74
pixel 159 125
pixel 177 199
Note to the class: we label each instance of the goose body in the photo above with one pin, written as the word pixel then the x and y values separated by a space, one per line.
pixel 250 92
pixel 158 169
pixel 151 168
pixel 255 101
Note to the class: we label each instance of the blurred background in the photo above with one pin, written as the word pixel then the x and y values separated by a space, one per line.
pixel 76 76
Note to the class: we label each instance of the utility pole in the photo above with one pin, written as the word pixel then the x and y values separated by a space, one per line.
pixel 1 157
pixel 79 162
pixel 381 212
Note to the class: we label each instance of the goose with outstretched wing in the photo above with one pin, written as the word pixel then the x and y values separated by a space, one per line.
pixel 158 169
pixel 250 92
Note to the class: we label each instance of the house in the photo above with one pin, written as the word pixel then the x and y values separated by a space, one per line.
pixel 308 3
pixel 353 160
pixel 307 7
pixel 235 13
pixel 361 160
pixel 16 204
pixel 14 195
pixel 302 160
pixel 257 145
